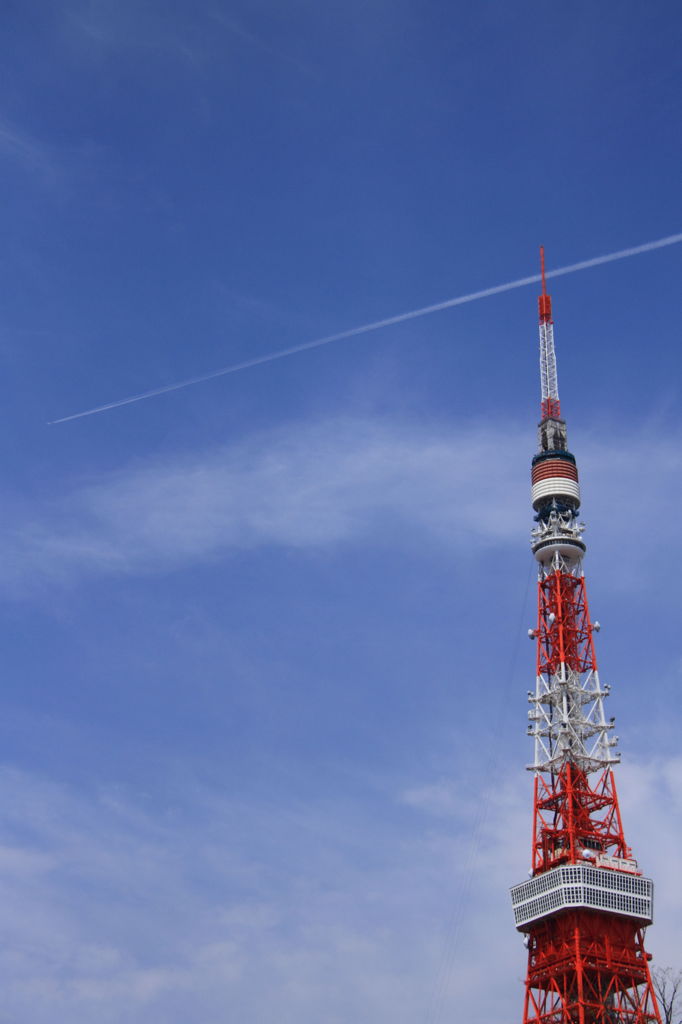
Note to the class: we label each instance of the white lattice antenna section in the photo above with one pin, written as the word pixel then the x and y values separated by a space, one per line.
pixel 567 718
pixel 548 375
pixel 548 378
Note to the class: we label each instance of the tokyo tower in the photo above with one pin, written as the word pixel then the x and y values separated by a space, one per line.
pixel 584 909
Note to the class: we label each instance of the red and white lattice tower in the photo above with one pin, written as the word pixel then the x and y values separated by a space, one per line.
pixel 585 907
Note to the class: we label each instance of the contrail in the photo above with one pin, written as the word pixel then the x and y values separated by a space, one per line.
pixel 354 332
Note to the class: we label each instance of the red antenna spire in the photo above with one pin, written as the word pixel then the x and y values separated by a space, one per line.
pixel 545 300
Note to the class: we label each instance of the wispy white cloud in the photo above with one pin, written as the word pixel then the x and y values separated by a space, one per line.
pixel 334 482
pixel 301 487
pixel 274 912
pixel 117 908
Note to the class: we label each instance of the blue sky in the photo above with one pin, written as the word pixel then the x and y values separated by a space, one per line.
pixel 263 727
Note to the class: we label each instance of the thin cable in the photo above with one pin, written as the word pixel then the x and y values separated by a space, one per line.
pixel 354 332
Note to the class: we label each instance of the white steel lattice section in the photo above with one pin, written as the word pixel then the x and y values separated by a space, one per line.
pixel 548 375
pixel 568 723
pixel 567 719
pixel 580 885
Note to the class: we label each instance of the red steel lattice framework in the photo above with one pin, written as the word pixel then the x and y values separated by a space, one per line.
pixel 586 905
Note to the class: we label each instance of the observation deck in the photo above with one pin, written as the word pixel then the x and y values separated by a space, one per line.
pixel 574 886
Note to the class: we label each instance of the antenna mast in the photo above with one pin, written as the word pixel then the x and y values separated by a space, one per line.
pixel 550 407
